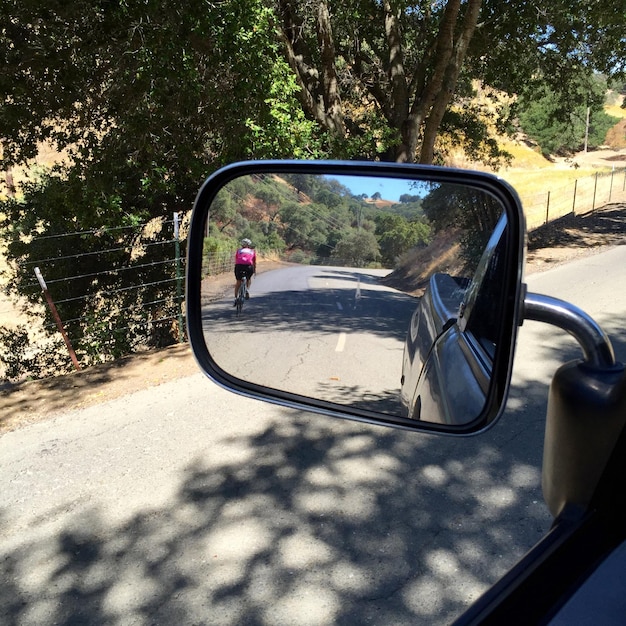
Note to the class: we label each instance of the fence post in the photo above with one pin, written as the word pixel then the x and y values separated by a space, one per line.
pixel 548 209
pixel 179 284
pixel 57 318
pixel 611 185
pixel 595 187
pixel 574 203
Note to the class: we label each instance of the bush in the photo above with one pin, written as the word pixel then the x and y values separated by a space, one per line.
pixel 23 359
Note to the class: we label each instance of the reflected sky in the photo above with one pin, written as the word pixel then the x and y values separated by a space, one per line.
pixel 389 188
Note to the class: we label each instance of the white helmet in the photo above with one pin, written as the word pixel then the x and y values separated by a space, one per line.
pixel 246 243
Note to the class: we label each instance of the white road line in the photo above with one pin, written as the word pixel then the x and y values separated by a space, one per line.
pixel 341 342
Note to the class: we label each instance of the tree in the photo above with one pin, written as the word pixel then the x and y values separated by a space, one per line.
pixel 473 211
pixel 395 60
pixel 407 198
pixel 385 78
pixel 155 79
pixel 144 99
pixel 396 235
pixel 357 248
pixel 560 126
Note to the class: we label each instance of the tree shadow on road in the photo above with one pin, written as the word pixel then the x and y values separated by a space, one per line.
pixel 306 521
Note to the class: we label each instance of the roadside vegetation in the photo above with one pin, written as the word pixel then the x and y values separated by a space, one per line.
pixel 309 219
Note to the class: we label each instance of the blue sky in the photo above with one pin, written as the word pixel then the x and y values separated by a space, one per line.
pixel 389 188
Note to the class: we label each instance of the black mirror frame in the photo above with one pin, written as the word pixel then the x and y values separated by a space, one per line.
pixel 513 286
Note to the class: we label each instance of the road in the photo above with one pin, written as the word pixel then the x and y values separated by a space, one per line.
pixel 332 332
pixel 186 504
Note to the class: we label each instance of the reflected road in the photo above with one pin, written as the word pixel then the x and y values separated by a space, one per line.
pixel 331 332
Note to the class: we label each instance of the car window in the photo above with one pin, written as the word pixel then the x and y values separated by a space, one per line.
pixel 482 307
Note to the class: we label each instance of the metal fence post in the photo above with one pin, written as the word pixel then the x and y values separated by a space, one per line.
pixel 179 283
pixel 57 318
pixel 595 187
pixel 574 203
pixel 548 209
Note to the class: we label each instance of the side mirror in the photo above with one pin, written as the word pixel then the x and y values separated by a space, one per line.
pixel 385 293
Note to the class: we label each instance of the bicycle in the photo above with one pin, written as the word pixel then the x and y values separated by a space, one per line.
pixel 241 295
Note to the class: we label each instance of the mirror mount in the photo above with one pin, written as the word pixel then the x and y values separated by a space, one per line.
pixel 595 343
pixel 578 443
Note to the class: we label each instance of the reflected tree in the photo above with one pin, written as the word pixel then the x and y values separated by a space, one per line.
pixel 474 212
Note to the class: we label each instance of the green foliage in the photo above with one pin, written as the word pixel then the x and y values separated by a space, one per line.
pixel 105 272
pixel 559 125
pixel 312 218
pixel 357 248
pixel 473 213
pixel 146 99
pixel 405 198
pixel 396 235
pixel 153 82
pixel 386 79
pixel 285 131
pixel 217 254
pixel 548 42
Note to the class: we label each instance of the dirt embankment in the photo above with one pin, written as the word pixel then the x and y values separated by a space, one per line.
pixel 574 236
pixel 561 240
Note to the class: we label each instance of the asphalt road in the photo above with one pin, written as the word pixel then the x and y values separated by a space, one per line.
pixel 330 332
pixel 186 504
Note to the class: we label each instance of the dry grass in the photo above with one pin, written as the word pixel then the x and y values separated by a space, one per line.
pixel 547 186
pixel 615 110
pixel 531 182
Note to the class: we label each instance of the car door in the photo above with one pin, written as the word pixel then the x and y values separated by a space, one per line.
pixel 458 341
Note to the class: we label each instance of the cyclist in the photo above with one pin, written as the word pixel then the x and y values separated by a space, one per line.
pixel 245 265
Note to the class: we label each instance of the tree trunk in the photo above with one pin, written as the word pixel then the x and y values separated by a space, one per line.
pixel 448 85
pixel 330 84
pixel 397 78
pixel 427 95
pixel 319 88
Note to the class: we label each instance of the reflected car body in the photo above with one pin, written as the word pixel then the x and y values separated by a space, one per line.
pixel 449 350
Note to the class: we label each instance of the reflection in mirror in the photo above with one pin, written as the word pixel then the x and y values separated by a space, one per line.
pixel 360 287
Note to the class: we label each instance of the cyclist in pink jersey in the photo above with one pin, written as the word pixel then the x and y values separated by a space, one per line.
pixel 245 265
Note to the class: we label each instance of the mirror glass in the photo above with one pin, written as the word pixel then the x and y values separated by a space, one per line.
pixel 364 291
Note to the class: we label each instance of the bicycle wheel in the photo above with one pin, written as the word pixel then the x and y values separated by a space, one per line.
pixel 241 294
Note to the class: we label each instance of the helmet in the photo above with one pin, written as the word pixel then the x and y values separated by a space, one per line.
pixel 246 242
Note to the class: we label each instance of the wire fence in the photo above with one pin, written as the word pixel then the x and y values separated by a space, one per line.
pixel 580 196
pixel 218 263
pixel 104 299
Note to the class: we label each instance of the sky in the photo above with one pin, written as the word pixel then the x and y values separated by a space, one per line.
pixel 389 188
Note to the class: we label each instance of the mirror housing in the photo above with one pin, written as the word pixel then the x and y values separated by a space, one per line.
pixel 491 360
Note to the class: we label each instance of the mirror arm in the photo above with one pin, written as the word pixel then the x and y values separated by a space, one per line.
pixel 595 344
